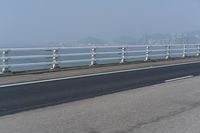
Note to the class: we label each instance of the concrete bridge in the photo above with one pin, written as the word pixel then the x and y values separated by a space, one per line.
pixel 29 91
pixel 170 106
pixel 133 108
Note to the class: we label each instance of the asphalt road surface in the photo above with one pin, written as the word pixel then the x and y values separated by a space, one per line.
pixel 19 98
pixel 172 107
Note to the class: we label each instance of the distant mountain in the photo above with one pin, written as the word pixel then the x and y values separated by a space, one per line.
pixel 156 38
pixel 91 41
pixel 125 40
pixel 197 32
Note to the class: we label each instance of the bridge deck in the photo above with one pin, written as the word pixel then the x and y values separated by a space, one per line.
pixel 168 108
pixel 36 76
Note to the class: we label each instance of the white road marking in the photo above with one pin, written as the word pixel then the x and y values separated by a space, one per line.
pixel 96 74
pixel 180 78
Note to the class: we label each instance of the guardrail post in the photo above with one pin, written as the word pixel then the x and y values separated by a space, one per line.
pixel 55 64
pixel 93 57
pixel 5 62
pixel 198 50
pixel 123 55
pixel 184 51
pixel 167 52
pixel 147 53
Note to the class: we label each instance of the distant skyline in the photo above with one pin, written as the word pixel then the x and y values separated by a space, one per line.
pixel 35 22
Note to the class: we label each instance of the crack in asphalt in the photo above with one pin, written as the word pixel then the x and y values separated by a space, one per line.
pixel 157 119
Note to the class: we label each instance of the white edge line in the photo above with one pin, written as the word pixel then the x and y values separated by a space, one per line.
pixel 180 78
pixel 97 74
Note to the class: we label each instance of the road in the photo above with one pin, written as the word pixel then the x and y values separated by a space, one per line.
pixel 172 107
pixel 23 97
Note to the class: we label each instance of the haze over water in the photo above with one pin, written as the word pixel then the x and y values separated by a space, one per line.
pixel 41 22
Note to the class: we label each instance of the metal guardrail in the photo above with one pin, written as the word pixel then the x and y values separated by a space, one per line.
pixel 17 57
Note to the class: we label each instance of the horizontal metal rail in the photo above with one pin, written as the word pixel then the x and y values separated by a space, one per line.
pixel 100 53
pixel 75 61
pixel 138 51
pixel 27 64
pixel 135 57
pixel 111 58
pixel 89 47
pixel 27 57
pixel 57 57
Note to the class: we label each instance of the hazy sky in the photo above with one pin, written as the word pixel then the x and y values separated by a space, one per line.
pixel 43 21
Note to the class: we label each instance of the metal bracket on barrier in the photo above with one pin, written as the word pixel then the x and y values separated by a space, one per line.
pixel 5 68
pixel 184 51
pixel 147 51
pixel 198 50
pixel 55 64
pixel 123 55
pixel 93 57
pixel 167 52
